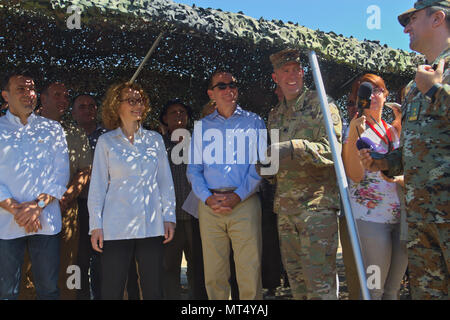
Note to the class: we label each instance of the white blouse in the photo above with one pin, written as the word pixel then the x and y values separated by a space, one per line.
pixel 131 192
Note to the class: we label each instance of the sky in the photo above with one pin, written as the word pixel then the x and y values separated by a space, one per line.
pixel 362 19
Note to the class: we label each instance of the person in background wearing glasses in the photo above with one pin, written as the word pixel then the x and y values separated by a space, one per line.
pixel 229 209
pixel 131 197
pixel 374 197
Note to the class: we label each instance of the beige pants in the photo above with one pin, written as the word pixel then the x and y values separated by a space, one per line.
pixel 243 227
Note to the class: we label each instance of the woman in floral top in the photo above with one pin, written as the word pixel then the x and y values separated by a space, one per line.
pixel 373 197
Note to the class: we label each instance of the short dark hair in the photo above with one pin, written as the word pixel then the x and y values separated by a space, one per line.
pixel 83 95
pixel 7 78
pixel 446 10
pixel 47 86
pixel 170 103
pixel 215 73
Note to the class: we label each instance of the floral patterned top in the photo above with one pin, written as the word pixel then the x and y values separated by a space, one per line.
pixel 374 199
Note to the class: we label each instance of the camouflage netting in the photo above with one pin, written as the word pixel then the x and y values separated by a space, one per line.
pixel 115 36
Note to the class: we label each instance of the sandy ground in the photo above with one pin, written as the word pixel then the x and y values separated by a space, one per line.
pixel 284 293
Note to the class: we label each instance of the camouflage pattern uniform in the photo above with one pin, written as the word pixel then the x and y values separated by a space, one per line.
pixel 306 199
pixel 424 159
pixel 80 157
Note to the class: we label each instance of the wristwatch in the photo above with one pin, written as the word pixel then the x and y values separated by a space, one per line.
pixel 430 95
pixel 40 203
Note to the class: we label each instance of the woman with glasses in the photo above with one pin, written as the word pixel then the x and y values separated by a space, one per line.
pixel 373 196
pixel 131 197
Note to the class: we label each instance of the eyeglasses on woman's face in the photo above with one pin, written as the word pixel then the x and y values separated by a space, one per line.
pixel 133 101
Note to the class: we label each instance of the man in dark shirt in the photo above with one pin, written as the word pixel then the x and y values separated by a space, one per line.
pixel 175 115
pixel 84 113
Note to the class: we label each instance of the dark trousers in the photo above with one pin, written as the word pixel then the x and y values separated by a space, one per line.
pixel 271 256
pixel 88 259
pixel 271 263
pixel 133 290
pixel 187 240
pixel 115 263
pixel 44 255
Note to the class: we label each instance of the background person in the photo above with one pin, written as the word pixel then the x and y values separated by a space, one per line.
pixel 176 115
pixel 84 114
pixel 131 196
pixel 54 104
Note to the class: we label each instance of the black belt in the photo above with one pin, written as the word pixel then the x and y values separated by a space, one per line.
pixel 223 190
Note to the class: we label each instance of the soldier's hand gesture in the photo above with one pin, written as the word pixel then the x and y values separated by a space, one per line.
pixel 426 76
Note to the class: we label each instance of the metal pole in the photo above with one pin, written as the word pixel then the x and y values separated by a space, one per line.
pixel 340 173
pixel 149 53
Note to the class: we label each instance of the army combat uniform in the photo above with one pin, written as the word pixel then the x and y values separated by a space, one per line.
pixel 424 159
pixel 306 198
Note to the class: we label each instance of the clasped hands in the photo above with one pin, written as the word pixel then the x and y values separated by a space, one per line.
pixel 223 202
pixel 26 215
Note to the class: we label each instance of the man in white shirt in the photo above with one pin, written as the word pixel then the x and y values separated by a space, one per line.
pixel 34 171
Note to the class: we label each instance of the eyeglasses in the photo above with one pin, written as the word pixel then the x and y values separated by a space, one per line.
pixel 378 91
pixel 223 85
pixel 133 102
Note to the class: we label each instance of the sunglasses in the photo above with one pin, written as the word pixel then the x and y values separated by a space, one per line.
pixel 223 85
pixel 133 102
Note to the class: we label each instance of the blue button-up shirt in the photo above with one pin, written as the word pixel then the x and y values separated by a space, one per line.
pixel 33 160
pixel 131 193
pixel 224 152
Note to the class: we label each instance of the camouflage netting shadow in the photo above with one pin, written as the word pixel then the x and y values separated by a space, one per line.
pixel 115 36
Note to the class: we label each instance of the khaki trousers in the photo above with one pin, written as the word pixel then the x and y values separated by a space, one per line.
pixel 243 228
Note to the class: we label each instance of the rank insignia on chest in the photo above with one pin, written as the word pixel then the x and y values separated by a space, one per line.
pixel 414 114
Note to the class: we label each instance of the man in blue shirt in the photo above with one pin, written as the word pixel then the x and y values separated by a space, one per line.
pixel 224 149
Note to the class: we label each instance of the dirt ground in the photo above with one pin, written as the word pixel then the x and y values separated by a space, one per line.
pixel 284 293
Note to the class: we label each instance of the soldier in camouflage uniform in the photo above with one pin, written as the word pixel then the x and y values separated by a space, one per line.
pixel 306 198
pixel 423 157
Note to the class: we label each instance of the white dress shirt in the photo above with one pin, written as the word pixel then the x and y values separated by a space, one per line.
pixel 33 160
pixel 131 192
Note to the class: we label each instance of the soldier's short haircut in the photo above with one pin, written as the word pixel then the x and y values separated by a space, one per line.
pixel 446 10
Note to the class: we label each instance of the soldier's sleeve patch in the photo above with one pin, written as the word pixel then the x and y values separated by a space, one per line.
pixel 335 118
